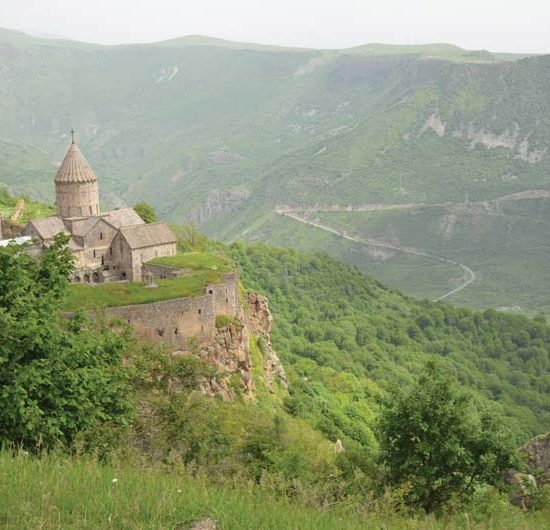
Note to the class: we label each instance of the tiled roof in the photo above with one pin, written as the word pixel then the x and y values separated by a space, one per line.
pixel 80 227
pixel 122 217
pixel 148 235
pixel 75 167
pixel 49 227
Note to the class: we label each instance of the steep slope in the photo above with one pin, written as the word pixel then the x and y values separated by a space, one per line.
pixel 222 133
pixel 210 118
pixel 344 338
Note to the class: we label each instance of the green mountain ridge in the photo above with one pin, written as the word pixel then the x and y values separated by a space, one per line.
pixel 223 133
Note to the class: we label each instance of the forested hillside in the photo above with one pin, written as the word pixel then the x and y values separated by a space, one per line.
pixel 345 338
pixel 372 376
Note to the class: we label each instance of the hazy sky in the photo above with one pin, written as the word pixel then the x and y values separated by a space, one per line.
pixel 498 25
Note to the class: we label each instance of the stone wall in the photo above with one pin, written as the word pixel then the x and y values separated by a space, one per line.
pixel 183 321
pixel 161 272
pixel 10 230
pixel 143 255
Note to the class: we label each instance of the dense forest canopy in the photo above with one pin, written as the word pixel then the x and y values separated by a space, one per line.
pixel 345 337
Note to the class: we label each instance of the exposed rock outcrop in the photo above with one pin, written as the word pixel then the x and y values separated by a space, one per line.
pixel 259 321
pixel 230 351
pixel 516 141
pixel 536 456
pixel 217 204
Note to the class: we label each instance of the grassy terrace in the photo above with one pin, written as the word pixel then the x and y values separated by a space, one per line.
pixel 196 261
pixel 206 268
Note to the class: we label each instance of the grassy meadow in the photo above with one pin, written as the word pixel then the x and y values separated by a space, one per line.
pixel 81 494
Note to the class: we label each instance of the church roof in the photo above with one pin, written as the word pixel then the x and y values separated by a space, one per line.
pixel 122 217
pixel 148 235
pixel 75 167
pixel 49 227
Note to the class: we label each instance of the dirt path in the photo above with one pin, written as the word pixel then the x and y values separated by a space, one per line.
pixel 19 207
pixel 520 196
pixel 469 277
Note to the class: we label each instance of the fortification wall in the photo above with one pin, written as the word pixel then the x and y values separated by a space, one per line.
pixel 182 321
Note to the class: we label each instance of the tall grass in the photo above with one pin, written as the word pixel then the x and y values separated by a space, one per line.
pixel 63 493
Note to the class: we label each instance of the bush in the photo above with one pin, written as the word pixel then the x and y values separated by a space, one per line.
pixel 56 380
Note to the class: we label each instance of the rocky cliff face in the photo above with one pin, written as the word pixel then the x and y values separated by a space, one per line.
pixel 536 453
pixel 230 351
pixel 536 457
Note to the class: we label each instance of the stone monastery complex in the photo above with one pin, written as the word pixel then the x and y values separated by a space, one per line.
pixel 107 246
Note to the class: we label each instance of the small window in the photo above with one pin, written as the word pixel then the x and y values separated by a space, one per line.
pixel 176 331
pixel 102 260
pixel 110 251
pixel 160 332
pixel 94 253
pixel 210 291
pixel 200 311
pixel 100 235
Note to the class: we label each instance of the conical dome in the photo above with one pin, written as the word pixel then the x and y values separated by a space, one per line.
pixel 75 168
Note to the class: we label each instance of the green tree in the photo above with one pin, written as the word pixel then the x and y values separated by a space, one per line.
pixel 56 379
pixel 435 442
pixel 146 212
pixel 190 237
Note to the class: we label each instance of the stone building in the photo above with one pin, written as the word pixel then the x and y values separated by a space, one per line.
pixel 107 246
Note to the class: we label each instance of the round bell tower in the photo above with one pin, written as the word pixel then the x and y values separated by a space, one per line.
pixel 76 186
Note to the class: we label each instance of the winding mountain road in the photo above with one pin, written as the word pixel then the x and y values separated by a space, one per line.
pixel 470 275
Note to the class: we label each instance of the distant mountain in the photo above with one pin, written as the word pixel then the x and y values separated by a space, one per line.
pixel 214 120
pixel 223 133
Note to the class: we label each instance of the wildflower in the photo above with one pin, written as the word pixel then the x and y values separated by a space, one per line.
pixel 114 481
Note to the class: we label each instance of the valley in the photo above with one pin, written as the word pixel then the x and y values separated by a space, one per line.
pixel 338 221
pixel 428 148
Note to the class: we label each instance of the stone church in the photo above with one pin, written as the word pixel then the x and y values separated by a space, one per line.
pixel 107 246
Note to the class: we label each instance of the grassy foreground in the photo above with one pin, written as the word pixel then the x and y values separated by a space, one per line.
pixel 60 493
